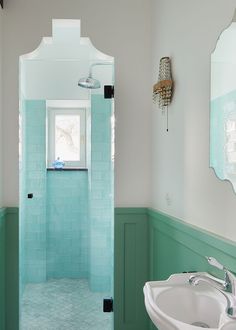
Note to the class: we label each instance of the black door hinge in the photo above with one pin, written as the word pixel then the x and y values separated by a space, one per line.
pixel 107 305
pixel 109 92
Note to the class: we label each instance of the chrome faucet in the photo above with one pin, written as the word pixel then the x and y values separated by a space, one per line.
pixel 227 286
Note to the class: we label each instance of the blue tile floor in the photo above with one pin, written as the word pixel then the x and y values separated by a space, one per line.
pixel 64 304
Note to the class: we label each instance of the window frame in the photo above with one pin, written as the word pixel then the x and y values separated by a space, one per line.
pixel 51 120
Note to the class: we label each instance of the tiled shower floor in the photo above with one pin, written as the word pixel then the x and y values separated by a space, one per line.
pixel 63 304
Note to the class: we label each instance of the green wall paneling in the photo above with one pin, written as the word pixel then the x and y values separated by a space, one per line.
pixel 176 246
pixel 149 245
pixel 131 268
pixel 9 273
pixel 2 267
pixel 12 269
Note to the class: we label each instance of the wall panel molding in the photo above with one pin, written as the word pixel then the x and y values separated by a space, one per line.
pixel 9 271
pixel 131 268
pixel 12 268
pixel 176 246
pixel 2 267
pixel 149 245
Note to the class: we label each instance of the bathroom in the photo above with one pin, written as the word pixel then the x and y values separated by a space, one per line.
pixel 156 172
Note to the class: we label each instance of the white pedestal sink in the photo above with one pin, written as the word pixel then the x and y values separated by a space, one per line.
pixel 176 305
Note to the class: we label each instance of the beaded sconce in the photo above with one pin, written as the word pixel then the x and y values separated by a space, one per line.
pixel 163 89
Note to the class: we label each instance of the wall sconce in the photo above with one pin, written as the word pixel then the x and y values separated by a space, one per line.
pixel 163 89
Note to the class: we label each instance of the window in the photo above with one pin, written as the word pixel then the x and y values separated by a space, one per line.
pixel 66 136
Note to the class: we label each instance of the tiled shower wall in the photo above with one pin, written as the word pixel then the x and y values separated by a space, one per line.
pixel 101 195
pixel 33 211
pixel 54 223
pixel 67 224
pixel 66 229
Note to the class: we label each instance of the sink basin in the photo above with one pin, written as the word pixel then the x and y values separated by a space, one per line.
pixel 190 305
pixel 174 304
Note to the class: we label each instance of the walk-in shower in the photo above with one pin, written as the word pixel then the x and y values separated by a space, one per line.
pixel 66 215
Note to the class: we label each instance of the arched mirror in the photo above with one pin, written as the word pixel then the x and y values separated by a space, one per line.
pixel 223 106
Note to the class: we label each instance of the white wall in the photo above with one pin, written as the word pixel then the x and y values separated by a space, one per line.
pixel 120 28
pixel 1 110
pixel 187 31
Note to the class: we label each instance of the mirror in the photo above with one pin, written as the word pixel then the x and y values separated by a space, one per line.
pixel 223 106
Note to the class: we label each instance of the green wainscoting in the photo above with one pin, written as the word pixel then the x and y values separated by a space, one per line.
pixel 131 268
pixel 12 268
pixel 176 246
pixel 9 271
pixel 172 246
pixel 149 245
pixel 2 267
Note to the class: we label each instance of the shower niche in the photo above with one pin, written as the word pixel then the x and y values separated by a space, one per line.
pixel 67 223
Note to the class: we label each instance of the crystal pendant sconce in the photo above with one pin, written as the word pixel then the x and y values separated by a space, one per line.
pixel 163 89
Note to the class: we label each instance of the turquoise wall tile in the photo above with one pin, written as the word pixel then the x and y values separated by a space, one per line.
pixel 33 180
pixel 67 228
pixel 101 196
pixel 67 224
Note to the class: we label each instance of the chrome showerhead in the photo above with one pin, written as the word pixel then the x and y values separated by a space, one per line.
pixel 89 82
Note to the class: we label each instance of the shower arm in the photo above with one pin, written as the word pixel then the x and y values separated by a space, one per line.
pixel 99 63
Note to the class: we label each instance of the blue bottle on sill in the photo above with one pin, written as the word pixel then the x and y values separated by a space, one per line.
pixel 58 164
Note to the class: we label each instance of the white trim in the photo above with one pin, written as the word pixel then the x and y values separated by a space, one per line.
pixel 68 104
pixel 51 115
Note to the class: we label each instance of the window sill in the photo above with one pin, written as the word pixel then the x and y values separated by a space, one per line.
pixel 67 169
